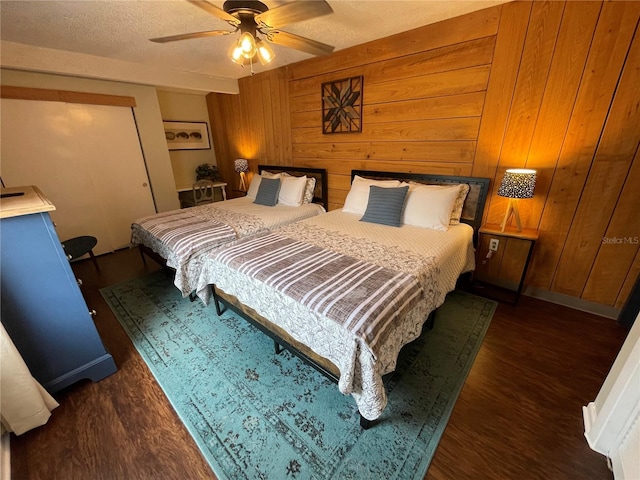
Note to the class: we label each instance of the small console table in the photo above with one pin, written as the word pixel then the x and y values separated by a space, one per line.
pixel 221 185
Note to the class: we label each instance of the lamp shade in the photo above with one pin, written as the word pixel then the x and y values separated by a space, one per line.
pixel 518 183
pixel 241 165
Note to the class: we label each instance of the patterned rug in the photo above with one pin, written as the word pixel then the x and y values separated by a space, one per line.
pixel 257 415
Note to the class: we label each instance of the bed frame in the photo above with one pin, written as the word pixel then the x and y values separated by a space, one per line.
pixel 320 196
pixel 471 214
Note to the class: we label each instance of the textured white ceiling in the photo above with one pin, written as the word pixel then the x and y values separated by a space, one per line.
pixel 117 32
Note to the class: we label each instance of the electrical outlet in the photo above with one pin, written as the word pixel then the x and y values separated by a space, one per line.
pixel 493 244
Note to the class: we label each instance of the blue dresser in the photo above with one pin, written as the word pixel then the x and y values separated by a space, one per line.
pixel 42 307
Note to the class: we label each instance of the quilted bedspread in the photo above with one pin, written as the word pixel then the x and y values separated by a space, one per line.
pixel 183 237
pixel 361 297
pixel 360 336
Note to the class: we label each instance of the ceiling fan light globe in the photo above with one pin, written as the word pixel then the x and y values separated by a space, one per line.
pixel 235 54
pixel 265 53
pixel 248 44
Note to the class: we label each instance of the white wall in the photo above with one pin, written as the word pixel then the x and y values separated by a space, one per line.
pixel 19 56
pixel 148 119
pixel 85 158
pixel 181 107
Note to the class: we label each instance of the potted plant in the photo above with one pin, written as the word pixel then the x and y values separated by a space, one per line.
pixel 206 171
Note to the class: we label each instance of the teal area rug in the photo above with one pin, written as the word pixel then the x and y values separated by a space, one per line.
pixel 258 415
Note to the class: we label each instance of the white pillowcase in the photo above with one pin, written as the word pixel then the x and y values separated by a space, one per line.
pixel 358 196
pixel 292 190
pixel 430 206
pixel 458 205
pixel 255 183
pixel 310 190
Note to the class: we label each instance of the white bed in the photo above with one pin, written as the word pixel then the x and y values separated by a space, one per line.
pixel 412 269
pixel 436 258
pixel 180 238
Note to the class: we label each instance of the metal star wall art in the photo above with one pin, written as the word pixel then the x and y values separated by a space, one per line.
pixel 342 106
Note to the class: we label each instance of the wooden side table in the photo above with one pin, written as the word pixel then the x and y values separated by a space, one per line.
pixel 189 188
pixel 502 261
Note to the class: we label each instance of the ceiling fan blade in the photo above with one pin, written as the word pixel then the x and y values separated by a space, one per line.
pixel 187 36
pixel 292 13
pixel 299 43
pixel 215 11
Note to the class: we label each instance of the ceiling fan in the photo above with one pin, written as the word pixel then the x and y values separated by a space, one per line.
pixel 251 17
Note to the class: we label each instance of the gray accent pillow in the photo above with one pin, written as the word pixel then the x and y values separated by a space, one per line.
pixel 385 205
pixel 268 192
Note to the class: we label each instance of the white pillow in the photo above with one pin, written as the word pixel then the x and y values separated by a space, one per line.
pixel 255 183
pixel 292 190
pixel 458 205
pixel 310 190
pixel 430 206
pixel 358 196
pixel 268 174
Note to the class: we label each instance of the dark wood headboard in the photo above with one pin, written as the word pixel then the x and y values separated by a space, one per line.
pixel 320 194
pixel 474 204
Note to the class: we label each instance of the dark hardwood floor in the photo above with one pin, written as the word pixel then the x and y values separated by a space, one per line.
pixel 518 415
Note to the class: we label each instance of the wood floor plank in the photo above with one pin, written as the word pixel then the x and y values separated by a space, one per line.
pixel 518 415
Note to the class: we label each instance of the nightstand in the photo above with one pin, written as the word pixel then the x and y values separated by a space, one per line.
pixel 502 261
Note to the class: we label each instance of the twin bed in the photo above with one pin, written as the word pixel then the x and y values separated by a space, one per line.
pixel 346 295
pixel 181 239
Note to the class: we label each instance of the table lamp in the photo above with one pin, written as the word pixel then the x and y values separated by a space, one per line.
pixel 241 166
pixel 516 183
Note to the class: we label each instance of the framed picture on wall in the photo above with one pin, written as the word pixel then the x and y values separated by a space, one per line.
pixel 342 106
pixel 187 135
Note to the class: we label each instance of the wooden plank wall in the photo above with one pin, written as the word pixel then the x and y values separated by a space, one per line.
pixel 546 85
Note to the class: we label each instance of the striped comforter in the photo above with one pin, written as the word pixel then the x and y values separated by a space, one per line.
pixel 359 296
pixel 185 237
pixel 184 234
pixel 327 246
